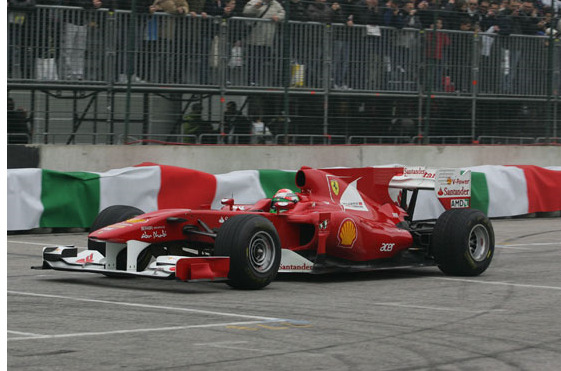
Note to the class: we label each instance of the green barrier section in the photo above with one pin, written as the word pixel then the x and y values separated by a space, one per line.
pixel 70 199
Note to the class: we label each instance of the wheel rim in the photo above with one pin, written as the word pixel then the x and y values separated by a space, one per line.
pixel 261 251
pixel 479 243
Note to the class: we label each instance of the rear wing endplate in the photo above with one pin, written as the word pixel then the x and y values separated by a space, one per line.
pixel 452 187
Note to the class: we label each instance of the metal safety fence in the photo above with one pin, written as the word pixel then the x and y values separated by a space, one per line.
pixel 341 70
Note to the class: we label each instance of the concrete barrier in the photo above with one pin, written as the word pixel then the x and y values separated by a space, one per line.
pixel 223 159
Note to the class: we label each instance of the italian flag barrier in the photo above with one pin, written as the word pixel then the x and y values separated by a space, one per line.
pixel 45 198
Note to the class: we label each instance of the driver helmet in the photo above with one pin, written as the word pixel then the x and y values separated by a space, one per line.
pixel 287 194
pixel 284 194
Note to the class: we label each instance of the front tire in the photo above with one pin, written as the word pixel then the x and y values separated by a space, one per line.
pixel 463 242
pixel 253 245
pixel 111 215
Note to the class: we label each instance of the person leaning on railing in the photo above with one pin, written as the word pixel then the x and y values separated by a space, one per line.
pixel 170 36
pixel 74 38
pixel 262 35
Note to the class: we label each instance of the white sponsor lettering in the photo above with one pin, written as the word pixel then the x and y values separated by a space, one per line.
pixel 153 234
pixel 301 267
pixel 387 246
pixel 455 192
pixel 459 204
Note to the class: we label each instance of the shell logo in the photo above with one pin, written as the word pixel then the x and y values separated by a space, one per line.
pixel 347 233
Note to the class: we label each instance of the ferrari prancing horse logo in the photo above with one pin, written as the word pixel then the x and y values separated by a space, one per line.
pixel 335 187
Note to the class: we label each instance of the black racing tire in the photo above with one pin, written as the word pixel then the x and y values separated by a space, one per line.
pixel 253 245
pixel 111 215
pixel 463 242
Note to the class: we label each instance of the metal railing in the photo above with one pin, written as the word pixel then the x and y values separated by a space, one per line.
pixel 110 51
pixel 71 45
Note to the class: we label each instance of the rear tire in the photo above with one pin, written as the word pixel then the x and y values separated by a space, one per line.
pixel 463 242
pixel 253 245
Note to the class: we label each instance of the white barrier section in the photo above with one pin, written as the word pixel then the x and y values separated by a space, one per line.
pixel 134 186
pixel 24 199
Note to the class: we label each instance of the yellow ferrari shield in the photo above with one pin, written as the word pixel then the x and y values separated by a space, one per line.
pixel 335 187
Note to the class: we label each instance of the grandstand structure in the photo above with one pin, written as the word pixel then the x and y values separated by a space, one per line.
pixel 135 77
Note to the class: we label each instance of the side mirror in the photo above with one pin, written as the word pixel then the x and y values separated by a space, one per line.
pixel 228 202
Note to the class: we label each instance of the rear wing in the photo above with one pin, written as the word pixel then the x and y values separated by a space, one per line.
pixel 452 187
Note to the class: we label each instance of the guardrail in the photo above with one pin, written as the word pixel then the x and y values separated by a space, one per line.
pixel 314 139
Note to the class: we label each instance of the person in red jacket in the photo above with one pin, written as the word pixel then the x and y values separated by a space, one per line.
pixel 437 45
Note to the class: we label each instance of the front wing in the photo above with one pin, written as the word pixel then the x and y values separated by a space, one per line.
pixel 67 258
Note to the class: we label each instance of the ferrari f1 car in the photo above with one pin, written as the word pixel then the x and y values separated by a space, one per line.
pixel 342 219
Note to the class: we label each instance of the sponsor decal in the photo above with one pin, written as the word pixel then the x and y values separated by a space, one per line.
pixel 451 183
pixel 335 187
pixel 451 192
pixel 300 267
pixel 387 246
pixel 414 171
pixel 222 219
pixel 352 199
pixel 459 203
pixel 153 234
pixel 323 225
pixel 87 259
pixel 419 172
pixel 136 220
pixel 347 234
pixel 152 227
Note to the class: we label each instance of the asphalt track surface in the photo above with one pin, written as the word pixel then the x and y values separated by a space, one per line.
pixel 412 319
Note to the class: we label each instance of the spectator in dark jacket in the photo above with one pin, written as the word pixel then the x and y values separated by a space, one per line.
pixel 372 56
pixel 18 129
pixel 345 58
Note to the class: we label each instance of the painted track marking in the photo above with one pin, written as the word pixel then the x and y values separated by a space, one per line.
pixel 136 305
pixel 500 283
pixel 120 332
pixel 230 345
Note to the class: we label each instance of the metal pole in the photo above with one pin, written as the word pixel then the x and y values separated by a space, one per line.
pixel 130 66
pixel 474 82
pixel 328 51
pixel 286 68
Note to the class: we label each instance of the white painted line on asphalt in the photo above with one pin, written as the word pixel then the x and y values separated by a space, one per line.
pixel 137 305
pixel 449 309
pixel 23 333
pixel 500 283
pixel 508 247
pixel 141 330
pixel 521 246
pixel 227 345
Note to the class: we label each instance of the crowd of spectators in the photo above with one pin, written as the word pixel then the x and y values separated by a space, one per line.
pixel 502 17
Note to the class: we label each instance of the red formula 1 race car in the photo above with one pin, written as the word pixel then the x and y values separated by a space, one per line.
pixel 341 220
